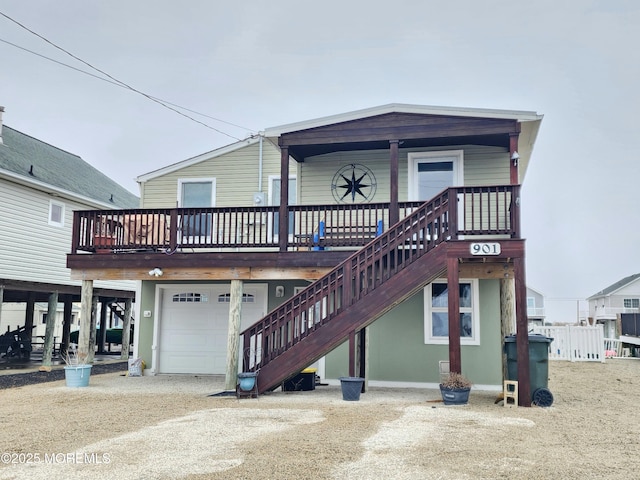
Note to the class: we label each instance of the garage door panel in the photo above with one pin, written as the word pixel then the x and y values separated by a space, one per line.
pixel 193 335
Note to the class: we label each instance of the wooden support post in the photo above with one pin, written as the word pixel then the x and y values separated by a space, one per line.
pixel 352 354
pixel 283 226
pixel 67 317
pixel 233 338
pixel 86 299
pixel 101 336
pixel 394 210
pixel 52 313
pixel 513 163
pixel 362 355
pixel 1 300
pixel 92 330
pixel 522 334
pixel 507 316
pixel 28 316
pixel 126 330
pixel 453 298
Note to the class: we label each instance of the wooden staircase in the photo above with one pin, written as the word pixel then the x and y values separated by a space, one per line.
pixel 385 272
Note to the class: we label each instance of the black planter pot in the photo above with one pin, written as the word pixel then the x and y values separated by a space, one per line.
pixel 455 396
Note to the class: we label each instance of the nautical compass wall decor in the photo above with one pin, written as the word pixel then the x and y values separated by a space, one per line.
pixel 353 183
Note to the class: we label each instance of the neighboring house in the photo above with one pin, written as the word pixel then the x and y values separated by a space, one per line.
pixel 13 316
pixel 617 307
pixel 392 221
pixel 40 188
pixel 535 307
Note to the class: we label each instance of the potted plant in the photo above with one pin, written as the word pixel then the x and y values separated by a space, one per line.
pixel 455 389
pixel 76 370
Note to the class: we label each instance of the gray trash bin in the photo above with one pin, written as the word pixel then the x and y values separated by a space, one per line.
pixel 538 366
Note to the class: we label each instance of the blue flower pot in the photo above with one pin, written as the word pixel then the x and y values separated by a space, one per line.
pixel 77 375
pixel 247 381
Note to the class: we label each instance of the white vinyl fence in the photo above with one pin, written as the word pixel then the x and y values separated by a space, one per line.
pixel 574 343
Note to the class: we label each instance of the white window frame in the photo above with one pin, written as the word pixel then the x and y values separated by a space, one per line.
pixel 633 303
pixel 415 158
pixel 275 234
pixel 53 204
pixel 474 310
pixel 212 181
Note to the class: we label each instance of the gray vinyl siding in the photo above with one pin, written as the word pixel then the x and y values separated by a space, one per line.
pixel 32 250
pixel 236 174
pixel 482 166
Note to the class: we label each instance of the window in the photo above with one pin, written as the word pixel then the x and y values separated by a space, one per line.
pixel 56 213
pixel 436 304
pixel 226 298
pixel 197 193
pixel 188 297
pixel 274 200
pixel 432 172
pixel 631 303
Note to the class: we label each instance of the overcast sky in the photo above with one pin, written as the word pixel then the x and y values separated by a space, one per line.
pixel 258 64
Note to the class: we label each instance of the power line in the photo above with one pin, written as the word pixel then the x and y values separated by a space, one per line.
pixel 117 82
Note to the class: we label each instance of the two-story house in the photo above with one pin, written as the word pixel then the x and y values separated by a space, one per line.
pixel 617 304
pixel 375 242
pixel 40 187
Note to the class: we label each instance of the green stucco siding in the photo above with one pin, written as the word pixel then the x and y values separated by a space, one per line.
pixel 397 352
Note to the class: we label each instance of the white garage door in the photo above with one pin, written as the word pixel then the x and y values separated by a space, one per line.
pixel 193 326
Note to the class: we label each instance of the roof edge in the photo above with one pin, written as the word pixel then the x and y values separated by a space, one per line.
pixel 198 158
pixel 521 116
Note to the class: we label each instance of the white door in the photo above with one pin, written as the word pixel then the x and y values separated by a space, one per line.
pixel 193 326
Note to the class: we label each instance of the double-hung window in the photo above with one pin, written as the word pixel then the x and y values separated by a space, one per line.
pixel 436 312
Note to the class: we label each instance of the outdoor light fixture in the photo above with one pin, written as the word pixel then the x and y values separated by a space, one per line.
pixel 156 272
pixel 515 158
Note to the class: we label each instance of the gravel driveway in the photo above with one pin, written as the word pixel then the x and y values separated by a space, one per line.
pixel 168 427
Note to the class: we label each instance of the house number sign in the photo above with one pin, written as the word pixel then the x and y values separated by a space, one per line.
pixel 488 248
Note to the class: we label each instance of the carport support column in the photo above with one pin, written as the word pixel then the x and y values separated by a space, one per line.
pixel 126 330
pixel 52 313
pixel 233 340
pixel 522 334
pixel 91 351
pixel 86 299
pixel 453 298
pixel 507 316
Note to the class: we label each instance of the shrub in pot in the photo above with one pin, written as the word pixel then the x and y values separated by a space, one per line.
pixel 455 389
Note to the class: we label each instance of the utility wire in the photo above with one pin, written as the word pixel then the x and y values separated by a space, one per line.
pixel 115 81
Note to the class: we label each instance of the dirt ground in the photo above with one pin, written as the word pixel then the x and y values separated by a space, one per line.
pixel 169 427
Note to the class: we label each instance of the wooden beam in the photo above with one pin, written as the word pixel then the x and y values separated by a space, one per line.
pixel 453 298
pixel 507 316
pixel 352 354
pixel 52 313
pixel 513 164
pixel 92 329
pixel 85 318
pixel 126 330
pixel 205 273
pixel 522 334
pixel 394 211
pixel 497 270
pixel 233 336
pixel 283 227
pixel 67 317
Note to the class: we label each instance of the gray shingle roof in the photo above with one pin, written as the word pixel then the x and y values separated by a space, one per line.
pixel 21 154
pixel 616 286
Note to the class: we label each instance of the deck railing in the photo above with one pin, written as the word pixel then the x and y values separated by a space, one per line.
pixel 360 274
pixel 486 210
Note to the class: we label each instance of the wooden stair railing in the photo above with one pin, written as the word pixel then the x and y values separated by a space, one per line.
pixel 350 297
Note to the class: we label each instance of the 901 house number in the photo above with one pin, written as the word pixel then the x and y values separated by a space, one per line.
pixel 485 248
